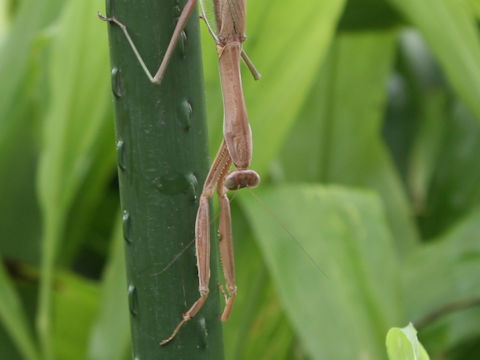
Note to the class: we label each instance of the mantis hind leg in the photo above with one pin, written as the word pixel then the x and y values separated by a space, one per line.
pixel 217 173
pixel 202 249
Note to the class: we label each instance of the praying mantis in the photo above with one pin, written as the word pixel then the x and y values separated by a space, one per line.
pixel 236 147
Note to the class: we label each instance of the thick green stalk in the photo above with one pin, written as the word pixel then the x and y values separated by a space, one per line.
pixel 162 163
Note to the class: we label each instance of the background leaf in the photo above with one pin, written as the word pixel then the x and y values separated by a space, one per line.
pixel 21 64
pixel 345 233
pixel 442 272
pixel 338 136
pixel 110 337
pixel 79 98
pixel 75 302
pixel 14 318
pixel 449 28
pixel 258 327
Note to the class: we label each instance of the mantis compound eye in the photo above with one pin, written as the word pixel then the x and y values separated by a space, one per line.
pixel 242 178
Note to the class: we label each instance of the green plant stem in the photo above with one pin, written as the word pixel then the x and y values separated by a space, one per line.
pixel 162 163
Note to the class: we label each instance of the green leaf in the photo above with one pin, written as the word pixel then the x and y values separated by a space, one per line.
pixel 355 295
pixel 20 218
pixel 402 344
pixel 419 116
pixel 79 98
pixel 449 28
pixel 475 4
pixel 110 336
pixel 75 303
pixel 434 138
pixel 93 194
pixel 454 191
pixel 16 61
pixel 270 336
pixel 443 272
pixel 258 327
pixel 368 14
pixel 20 66
pixel 4 21
pixel 337 138
pixel 14 319
pixel 32 17
pixel 450 331
pixel 288 54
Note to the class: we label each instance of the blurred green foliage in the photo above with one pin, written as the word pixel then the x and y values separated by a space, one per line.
pixel 366 134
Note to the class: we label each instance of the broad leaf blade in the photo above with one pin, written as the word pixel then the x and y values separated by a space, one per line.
pixel 258 327
pixel 356 299
pixel 337 138
pixel 444 271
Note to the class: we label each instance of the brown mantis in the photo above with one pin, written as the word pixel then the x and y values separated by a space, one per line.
pixel 235 148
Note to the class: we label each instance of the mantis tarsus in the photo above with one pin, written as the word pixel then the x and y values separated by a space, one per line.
pixel 235 148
